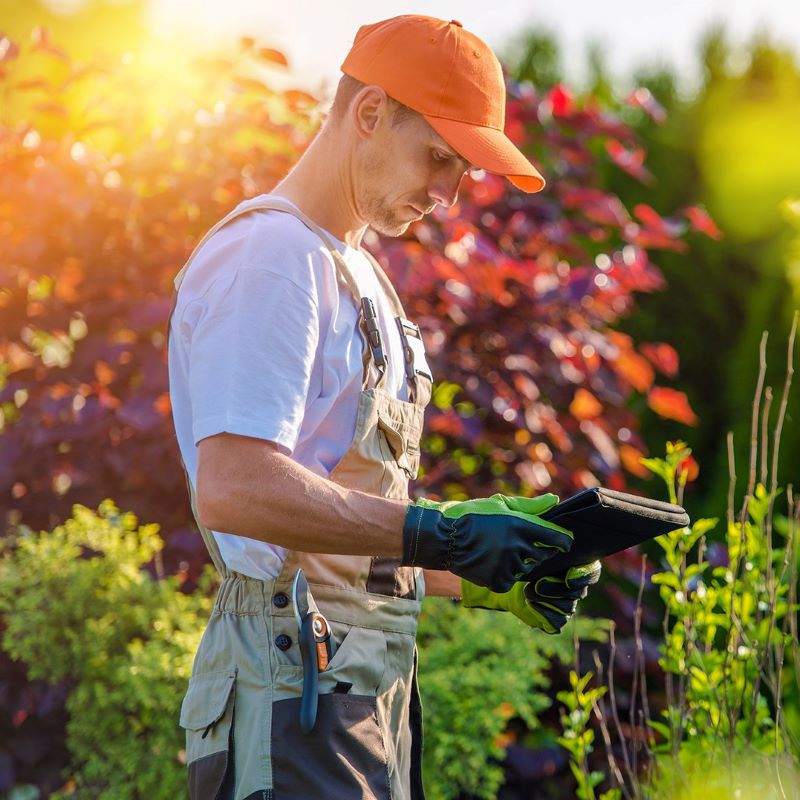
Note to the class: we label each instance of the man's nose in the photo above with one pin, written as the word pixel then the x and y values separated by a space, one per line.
pixel 445 190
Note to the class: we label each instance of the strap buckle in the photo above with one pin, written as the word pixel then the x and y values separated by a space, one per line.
pixel 373 332
pixel 413 349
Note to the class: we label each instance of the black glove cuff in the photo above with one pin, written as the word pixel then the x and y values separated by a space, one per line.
pixel 427 542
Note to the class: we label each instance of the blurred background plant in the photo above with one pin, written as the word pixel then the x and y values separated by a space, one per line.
pixel 727 147
pixel 552 331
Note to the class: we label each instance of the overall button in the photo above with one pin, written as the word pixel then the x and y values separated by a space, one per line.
pixel 280 600
pixel 283 642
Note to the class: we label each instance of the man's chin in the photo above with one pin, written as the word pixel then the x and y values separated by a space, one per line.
pixel 391 228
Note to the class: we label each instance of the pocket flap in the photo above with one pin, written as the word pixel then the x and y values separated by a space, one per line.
pixel 404 450
pixel 360 660
pixel 206 699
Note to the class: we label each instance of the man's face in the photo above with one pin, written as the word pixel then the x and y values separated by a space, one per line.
pixel 405 173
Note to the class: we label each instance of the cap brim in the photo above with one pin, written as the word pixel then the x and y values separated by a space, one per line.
pixel 489 149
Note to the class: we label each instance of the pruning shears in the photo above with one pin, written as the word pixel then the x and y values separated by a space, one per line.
pixel 317 647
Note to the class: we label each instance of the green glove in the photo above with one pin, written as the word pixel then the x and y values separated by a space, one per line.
pixel 546 604
pixel 491 541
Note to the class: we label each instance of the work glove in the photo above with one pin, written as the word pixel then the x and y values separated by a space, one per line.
pixel 492 541
pixel 546 603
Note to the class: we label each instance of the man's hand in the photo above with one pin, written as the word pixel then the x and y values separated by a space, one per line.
pixel 492 541
pixel 546 604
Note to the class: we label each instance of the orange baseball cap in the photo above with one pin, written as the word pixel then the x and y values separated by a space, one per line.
pixel 453 79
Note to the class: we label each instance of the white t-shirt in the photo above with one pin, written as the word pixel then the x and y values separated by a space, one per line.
pixel 264 342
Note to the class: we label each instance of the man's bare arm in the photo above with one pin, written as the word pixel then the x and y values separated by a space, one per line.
pixel 246 486
pixel 440 583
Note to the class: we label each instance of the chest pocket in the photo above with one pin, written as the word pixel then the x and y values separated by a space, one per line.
pixel 403 443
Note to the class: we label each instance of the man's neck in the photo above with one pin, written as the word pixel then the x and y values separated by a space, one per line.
pixel 318 185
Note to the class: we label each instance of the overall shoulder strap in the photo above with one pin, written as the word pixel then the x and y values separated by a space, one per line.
pixel 383 279
pixel 422 384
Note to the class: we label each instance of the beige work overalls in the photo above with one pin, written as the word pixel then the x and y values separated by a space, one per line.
pixel 241 710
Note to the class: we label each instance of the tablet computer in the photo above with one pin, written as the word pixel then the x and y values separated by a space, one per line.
pixel 605 521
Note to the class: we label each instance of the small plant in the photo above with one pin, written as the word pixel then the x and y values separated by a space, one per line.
pixel 729 627
pixel 578 736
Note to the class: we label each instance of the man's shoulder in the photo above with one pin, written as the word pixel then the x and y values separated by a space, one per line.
pixel 272 242
pixel 269 233
pixel 287 230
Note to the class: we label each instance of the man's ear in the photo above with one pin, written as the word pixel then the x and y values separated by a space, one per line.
pixel 369 108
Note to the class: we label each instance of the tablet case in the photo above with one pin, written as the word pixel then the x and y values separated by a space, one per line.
pixel 605 521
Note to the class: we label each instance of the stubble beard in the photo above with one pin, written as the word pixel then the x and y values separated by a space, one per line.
pixel 380 216
pixel 383 218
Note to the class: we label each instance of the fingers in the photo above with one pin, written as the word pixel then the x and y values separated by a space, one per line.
pixel 553 537
pixel 555 597
pixel 572 582
pixel 556 613
pixel 531 505
pixel 547 543
pixel 584 575
pixel 551 587
pixel 555 587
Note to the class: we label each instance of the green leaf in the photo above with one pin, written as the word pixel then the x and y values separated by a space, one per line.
pixel 661 728
pixel 657 466
pixel 596 777
pixel 668 579
pixel 443 394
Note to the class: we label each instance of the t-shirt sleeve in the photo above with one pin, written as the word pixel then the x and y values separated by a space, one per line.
pixel 252 347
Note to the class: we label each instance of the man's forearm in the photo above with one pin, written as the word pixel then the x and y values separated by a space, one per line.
pixel 260 493
pixel 439 583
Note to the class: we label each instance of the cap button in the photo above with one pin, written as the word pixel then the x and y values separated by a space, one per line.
pixel 456 22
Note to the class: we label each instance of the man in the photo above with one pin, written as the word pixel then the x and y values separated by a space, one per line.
pixel 298 390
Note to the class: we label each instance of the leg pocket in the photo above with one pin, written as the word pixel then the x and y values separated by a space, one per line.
pixel 344 756
pixel 207 716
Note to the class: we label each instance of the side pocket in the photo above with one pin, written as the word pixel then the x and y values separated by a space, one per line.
pixel 360 661
pixel 207 716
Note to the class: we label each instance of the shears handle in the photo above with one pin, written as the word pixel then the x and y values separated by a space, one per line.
pixel 322 640
pixel 317 647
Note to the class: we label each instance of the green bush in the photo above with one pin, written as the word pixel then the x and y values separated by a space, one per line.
pixel 78 606
pixel 477 669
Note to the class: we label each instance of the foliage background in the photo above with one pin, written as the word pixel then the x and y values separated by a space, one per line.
pixel 549 377
pixel 729 148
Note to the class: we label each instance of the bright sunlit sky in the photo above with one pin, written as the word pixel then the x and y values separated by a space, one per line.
pixel 316 34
